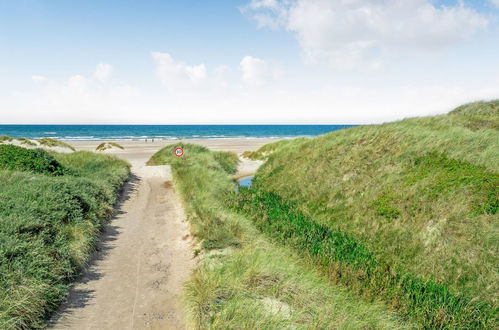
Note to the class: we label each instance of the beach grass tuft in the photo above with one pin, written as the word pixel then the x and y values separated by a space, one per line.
pixel 50 142
pixel 26 142
pixel 109 145
pixel 5 138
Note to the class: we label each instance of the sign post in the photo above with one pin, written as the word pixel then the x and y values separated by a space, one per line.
pixel 179 152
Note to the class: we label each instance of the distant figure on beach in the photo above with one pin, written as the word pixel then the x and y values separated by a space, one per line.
pixel 153 140
pixel 146 140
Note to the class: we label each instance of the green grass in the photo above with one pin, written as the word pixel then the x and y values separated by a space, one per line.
pixel 419 195
pixel 200 168
pixel 265 151
pixel 429 303
pixel 33 160
pixel 243 280
pixel 48 226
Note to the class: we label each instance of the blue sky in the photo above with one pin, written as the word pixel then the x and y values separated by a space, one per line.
pixel 58 37
pixel 252 61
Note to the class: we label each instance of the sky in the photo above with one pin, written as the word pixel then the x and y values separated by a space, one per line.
pixel 244 61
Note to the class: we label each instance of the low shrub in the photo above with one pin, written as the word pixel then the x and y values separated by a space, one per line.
pixel 33 160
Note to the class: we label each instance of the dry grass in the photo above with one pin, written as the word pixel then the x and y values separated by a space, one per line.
pixel 5 138
pixel 109 145
pixel 26 142
pixel 49 142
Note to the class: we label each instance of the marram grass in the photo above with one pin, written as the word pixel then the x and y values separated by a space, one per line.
pixel 243 280
pixel 5 138
pixel 50 142
pixel 419 195
pixel 26 142
pixel 108 145
pixel 48 225
pixel 350 263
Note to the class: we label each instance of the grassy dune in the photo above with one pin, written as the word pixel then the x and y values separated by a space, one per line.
pixel 405 211
pixel 244 281
pixel 51 209
pixel 268 149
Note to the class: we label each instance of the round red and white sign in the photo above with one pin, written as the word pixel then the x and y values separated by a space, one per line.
pixel 179 152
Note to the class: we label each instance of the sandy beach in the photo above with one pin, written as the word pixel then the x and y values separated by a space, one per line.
pixel 134 149
pixel 136 152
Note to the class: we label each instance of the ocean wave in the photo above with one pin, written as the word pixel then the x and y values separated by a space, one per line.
pixel 193 137
pixel 140 133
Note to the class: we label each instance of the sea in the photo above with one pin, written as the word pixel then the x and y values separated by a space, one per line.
pixel 141 132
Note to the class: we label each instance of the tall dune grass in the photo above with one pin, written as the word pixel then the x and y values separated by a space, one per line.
pixel 243 281
pixel 108 145
pixel 48 225
pixel 420 196
pixel 50 142
pixel 5 138
pixel 265 151
pixel 26 142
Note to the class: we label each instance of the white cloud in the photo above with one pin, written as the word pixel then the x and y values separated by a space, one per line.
pixel 256 71
pixel 347 33
pixel 82 99
pixel 38 79
pixel 103 71
pixel 174 74
pixel 77 83
pixel 220 76
pixel 495 3
pixel 332 104
pixel 77 99
pixel 266 13
pixel 364 105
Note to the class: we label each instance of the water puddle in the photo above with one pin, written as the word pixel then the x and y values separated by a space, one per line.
pixel 244 182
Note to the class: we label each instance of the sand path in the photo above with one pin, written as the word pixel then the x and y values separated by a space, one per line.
pixel 145 255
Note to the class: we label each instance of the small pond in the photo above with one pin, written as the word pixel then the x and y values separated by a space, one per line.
pixel 243 182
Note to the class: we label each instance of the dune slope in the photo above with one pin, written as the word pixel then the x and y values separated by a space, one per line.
pixel 416 200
